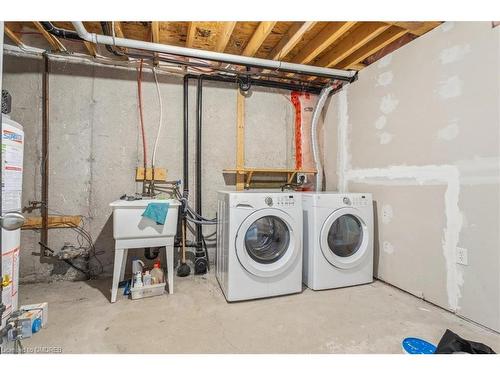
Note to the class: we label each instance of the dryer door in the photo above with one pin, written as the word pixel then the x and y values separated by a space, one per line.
pixel 267 242
pixel 344 238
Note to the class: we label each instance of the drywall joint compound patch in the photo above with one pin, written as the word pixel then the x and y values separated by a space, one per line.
pixel 424 175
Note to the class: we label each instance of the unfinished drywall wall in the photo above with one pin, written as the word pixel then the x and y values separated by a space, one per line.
pixel 95 144
pixel 420 130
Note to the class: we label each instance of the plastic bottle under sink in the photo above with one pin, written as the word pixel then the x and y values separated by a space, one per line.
pixel 157 275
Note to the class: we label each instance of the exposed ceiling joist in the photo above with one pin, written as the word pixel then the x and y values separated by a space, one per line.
pixel 225 35
pixel 91 48
pixel 290 40
pixel 118 29
pixel 55 44
pixel 376 44
pixel 416 27
pixel 155 31
pixel 325 38
pixel 258 37
pixel 191 34
pixel 352 42
pixel 12 36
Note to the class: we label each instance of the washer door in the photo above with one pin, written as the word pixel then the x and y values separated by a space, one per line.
pixel 344 238
pixel 267 243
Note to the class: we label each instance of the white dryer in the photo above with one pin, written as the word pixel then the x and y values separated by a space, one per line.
pixel 259 244
pixel 338 239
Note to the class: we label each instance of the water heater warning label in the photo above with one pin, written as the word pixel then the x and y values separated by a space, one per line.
pixel 12 167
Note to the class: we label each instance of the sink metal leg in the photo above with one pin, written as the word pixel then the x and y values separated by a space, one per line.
pixel 169 249
pixel 118 271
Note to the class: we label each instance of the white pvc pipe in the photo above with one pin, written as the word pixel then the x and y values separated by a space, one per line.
pixel 214 56
pixel 314 135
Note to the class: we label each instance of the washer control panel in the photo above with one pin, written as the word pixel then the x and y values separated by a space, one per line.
pixel 285 201
pixel 360 200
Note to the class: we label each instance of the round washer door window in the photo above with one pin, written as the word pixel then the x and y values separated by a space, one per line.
pixel 345 236
pixel 267 239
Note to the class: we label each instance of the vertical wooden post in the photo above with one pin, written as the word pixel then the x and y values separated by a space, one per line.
pixel 240 141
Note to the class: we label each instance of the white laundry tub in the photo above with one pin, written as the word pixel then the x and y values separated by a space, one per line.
pixel 128 222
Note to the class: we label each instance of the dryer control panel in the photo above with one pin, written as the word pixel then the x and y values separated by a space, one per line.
pixel 285 201
pixel 360 200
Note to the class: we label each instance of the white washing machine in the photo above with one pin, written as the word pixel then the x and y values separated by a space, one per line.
pixel 338 239
pixel 259 244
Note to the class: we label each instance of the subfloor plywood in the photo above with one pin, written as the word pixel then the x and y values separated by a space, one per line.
pixel 371 318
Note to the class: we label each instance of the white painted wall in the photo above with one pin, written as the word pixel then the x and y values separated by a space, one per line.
pixel 420 130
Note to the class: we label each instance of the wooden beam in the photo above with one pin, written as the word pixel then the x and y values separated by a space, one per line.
pixel 225 35
pixel 35 222
pixel 260 34
pixel 376 44
pixel 155 31
pixel 352 42
pixel 416 27
pixel 290 40
pixel 12 36
pixel 191 34
pixel 55 44
pixel 91 48
pixel 118 29
pixel 329 34
pixel 240 139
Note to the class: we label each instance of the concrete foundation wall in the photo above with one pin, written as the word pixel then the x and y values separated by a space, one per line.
pixel 420 130
pixel 95 144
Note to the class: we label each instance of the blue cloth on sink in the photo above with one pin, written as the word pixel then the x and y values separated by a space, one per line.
pixel 156 212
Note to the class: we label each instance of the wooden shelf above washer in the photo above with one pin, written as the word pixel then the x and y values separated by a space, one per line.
pixel 249 173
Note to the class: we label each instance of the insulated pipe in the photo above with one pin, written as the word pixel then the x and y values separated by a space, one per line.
pixel 343 75
pixel 61 33
pixel 314 136
pixel 110 48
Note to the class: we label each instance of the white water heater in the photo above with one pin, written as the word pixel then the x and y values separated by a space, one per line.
pixel 12 184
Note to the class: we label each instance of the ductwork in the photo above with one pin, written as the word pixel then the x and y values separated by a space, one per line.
pixel 343 75
pixel 314 135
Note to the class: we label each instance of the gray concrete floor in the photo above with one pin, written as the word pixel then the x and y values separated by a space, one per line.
pixel 371 318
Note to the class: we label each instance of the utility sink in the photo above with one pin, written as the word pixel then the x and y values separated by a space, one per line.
pixel 128 222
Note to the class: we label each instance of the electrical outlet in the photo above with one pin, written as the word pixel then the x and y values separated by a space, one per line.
pixel 301 178
pixel 462 257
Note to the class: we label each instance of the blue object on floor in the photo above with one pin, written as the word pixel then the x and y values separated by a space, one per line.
pixel 157 212
pixel 414 345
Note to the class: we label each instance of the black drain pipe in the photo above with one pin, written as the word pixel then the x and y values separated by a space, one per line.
pixel 44 233
pixel 199 109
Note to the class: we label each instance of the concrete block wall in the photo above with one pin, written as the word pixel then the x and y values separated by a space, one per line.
pixel 420 130
pixel 95 144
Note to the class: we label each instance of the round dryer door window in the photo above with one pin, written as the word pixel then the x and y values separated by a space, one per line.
pixel 268 242
pixel 344 238
pixel 267 239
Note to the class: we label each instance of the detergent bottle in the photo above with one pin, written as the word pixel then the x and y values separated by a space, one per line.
pixel 157 276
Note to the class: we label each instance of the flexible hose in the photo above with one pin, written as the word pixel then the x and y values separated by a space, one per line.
pixel 153 160
pixel 314 136
pixel 141 116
